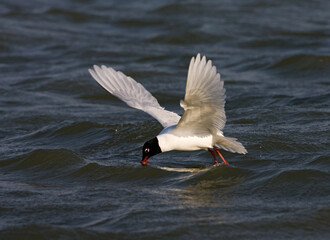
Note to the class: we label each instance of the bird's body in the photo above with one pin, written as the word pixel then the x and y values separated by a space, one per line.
pixel 200 127
pixel 171 139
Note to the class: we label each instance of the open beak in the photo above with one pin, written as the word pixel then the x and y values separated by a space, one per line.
pixel 144 161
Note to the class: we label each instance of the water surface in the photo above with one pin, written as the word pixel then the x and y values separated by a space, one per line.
pixel 70 152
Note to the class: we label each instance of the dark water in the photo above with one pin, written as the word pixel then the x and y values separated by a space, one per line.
pixel 70 152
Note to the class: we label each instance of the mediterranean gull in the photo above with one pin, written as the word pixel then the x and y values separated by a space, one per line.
pixel 201 124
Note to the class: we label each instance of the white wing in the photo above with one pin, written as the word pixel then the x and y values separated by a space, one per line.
pixel 132 93
pixel 204 101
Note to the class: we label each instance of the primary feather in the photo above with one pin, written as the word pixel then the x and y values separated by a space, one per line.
pixel 204 101
pixel 132 93
pixel 204 106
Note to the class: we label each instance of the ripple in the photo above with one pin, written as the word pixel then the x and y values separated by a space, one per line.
pixel 219 177
pixel 307 183
pixel 321 162
pixel 303 62
pixel 140 22
pixel 186 38
pixel 79 127
pixel 70 152
pixel 72 15
pixel 169 8
pixel 309 100
pixel 102 173
pixel 304 175
pixel 43 159
pixel 44 231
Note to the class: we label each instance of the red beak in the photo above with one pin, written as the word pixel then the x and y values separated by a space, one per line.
pixel 144 161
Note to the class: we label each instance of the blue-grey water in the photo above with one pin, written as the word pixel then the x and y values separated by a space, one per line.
pixel 70 152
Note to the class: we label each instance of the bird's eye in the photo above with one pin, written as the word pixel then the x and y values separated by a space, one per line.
pixel 147 150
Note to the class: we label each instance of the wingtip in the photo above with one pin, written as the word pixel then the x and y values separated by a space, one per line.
pixel 201 57
pixel 91 71
pixel 198 56
pixel 96 67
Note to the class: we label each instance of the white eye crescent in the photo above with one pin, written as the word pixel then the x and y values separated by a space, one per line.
pixel 147 150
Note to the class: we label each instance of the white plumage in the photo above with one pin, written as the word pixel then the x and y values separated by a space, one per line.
pixel 204 118
pixel 133 93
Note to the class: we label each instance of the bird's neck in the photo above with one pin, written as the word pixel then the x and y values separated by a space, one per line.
pixel 163 138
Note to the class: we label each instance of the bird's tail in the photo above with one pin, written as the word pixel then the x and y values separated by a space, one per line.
pixel 230 144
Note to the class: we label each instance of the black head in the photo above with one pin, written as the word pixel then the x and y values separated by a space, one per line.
pixel 150 149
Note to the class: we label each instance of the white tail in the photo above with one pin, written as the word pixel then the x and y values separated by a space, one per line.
pixel 230 144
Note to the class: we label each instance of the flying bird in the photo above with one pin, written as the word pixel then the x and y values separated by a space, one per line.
pixel 199 128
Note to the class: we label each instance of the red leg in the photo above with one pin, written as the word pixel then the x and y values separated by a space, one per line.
pixel 223 159
pixel 213 154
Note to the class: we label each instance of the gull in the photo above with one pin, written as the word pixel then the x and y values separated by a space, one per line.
pixel 199 128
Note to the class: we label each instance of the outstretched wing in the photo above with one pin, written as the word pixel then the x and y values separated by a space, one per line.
pixel 204 101
pixel 132 93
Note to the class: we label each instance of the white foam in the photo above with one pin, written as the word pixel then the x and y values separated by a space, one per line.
pixel 187 170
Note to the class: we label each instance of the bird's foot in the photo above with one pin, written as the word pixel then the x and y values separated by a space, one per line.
pixel 214 157
pixel 223 159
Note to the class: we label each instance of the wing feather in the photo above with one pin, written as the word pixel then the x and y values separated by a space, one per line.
pixel 204 101
pixel 133 94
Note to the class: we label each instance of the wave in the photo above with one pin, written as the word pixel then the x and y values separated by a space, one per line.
pixel 76 16
pixel 102 173
pixel 74 167
pixel 296 183
pixel 79 127
pixel 303 62
pixel 43 159
pixel 301 175
pixel 83 134
pixel 169 8
pixel 187 38
pixel 209 177
pixel 321 161
pixel 140 22
pixel 51 231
